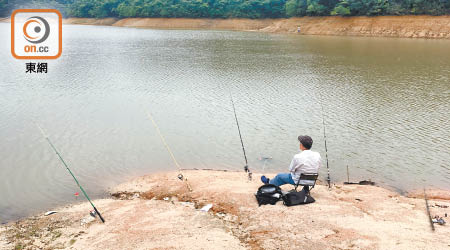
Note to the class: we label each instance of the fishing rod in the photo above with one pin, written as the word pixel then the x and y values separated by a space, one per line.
pixel 325 139
pixel 247 170
pixel 180 174
pixel 428 210
pixel 68 169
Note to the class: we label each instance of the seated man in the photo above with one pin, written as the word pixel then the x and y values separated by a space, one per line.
pixel 307 162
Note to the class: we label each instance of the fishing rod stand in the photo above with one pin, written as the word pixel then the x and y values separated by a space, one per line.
pixel 247 170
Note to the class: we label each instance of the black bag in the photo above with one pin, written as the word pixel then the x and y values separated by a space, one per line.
pixel 293 198
pixel 268 194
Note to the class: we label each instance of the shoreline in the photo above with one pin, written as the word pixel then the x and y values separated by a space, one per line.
pixel 431 191
pixel 150 210
pixel 435 27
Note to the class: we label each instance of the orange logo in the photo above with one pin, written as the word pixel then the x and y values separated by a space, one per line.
pixel 36 34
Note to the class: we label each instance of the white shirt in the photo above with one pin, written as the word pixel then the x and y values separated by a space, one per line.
pixel 307 162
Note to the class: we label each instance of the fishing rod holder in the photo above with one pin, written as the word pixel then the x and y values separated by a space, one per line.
pixel 247 170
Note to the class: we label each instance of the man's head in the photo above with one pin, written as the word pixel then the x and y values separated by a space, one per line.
pixel 305 141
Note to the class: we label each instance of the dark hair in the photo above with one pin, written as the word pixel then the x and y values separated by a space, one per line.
pixel 306 141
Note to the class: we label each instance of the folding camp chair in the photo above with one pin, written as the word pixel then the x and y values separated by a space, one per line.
pixel 308 181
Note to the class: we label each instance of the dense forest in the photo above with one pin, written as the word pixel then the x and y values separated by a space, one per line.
pixel 232 8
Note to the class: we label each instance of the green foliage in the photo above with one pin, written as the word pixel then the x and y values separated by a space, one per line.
pixel 7 6
pixel 378 7
pixel 81 8
pixel 102 9
pixel 315 8
pixel 232 8
pixel 341 9
pixel 291 8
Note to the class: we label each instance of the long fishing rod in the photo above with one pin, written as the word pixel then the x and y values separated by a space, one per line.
pixel 325 139
pixel 428 209
pixel 240 137
pixel 180 174
pixel 68 169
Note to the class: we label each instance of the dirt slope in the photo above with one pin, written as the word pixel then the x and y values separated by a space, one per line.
pixel 158 212
pixel 381 26
pixel 384 26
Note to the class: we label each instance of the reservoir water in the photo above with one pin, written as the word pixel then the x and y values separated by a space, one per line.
pixel 386 109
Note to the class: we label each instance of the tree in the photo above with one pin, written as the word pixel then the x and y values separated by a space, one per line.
pixel 394 8
pixel 378 7
pixel 315 8
pixel 235 8
pixel 81 8
pixel 291 8
pixel 341 9
pixel 302 7
pixel 103 8
pixel 126 9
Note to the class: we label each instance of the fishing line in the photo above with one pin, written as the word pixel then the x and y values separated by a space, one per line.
pixel 265 159
pixel 180 174
pixel 68 169
pixel 240 137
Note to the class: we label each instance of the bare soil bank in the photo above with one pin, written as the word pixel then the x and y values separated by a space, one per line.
pixel 158 212
pixel 383 26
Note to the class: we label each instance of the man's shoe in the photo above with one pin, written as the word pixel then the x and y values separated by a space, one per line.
pixel 264 179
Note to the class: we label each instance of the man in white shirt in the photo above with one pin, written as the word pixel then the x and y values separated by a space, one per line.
pixel 307 162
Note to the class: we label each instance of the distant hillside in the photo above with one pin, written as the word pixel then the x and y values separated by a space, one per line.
pixel 254 9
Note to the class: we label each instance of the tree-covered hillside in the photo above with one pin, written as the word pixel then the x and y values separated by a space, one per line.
pixel 232 8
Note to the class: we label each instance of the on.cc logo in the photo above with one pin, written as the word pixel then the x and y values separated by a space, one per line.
pixel 36 34
pixel 36 29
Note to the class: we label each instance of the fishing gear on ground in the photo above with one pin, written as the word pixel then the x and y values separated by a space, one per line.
pixel 364 182
pixel 68 169
pixel 271 194
pixel 268 194
pixel 438 220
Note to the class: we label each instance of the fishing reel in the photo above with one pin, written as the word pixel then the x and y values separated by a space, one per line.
pixel 180 176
